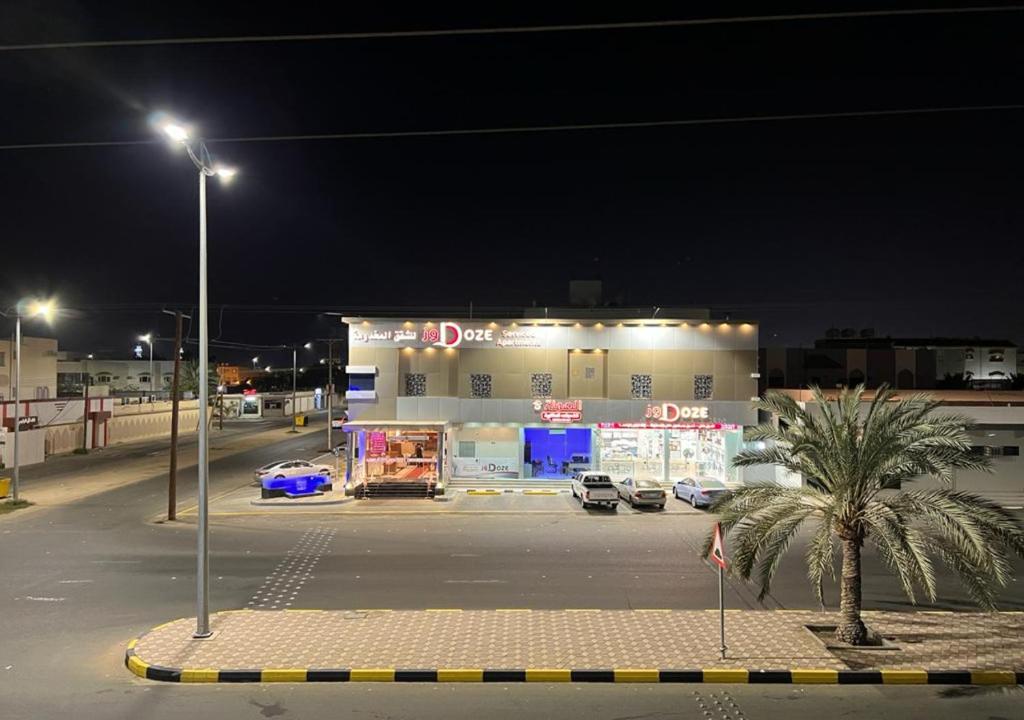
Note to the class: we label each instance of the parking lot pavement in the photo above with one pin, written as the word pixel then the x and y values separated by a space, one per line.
pixel 240 502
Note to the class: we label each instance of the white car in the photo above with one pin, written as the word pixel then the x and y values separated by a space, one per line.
pixel 292 468
pixel 595 488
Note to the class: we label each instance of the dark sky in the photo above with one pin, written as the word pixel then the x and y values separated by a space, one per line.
pixel 910 225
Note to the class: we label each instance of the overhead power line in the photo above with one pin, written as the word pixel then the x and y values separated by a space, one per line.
pixel 508 30
pixel 736 120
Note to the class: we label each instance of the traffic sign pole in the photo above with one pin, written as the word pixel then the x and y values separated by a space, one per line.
pixel 718 558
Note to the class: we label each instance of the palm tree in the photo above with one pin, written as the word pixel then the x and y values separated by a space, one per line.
pixel 851 460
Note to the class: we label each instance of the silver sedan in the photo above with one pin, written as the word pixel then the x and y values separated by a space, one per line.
pixel 641 492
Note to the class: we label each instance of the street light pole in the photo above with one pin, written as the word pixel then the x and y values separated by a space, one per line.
pixel 295 360
pixel 200 157
pixel 203 539
pixel 17 404
pixel 35 308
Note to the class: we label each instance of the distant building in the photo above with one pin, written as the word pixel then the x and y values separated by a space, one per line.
pixel 111 376
pixel 904 363
pixel 38 368
pixel 229 374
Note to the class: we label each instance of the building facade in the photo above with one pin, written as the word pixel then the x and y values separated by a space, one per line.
pixel 38 369
pixel 540 399
pixel 995 429
pixel 904 363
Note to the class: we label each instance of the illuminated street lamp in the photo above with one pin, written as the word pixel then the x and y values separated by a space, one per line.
pixel 148 339
pixel 198 153
pixel 254 361
pixel 24 309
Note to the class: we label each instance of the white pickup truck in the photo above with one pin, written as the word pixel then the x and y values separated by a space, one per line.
pixel 595 488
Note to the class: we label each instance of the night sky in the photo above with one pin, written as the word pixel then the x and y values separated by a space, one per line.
pixel 910 224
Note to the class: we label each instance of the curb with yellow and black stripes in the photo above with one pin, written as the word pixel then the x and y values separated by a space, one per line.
pixel 796 676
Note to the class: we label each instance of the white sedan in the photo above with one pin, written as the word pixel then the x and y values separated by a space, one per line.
pixel 292 468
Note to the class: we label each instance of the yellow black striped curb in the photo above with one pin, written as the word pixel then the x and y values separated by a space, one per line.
pixel 796 676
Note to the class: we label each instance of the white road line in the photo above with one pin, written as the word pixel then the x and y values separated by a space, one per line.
pixel 474 582
pixel 73 582
pixel 45 599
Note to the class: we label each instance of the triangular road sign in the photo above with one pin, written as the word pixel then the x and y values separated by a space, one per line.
pixel 718 548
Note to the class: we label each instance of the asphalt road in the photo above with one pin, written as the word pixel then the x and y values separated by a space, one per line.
pixel 80 580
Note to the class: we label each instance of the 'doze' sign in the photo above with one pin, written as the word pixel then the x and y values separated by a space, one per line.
pixel 670 412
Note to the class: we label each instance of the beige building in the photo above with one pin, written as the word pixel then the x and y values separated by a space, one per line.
pixel 38 368
pixel 540 398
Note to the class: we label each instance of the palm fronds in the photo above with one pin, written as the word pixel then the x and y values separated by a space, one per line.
pixel 851 452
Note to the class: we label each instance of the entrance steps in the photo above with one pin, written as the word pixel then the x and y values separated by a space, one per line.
pixel 393 489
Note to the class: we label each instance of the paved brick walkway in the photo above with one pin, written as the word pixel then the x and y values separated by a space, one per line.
pixel 577 639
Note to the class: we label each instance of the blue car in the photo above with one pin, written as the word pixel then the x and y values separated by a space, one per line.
pixel 295 487
pixel 699 491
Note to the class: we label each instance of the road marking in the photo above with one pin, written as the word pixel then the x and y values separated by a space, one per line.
pixel 281 587
pixel 464 555
pixel 74 582
pixel 45 599
pixel 1014 507
pixel 473 582
pixel 116 562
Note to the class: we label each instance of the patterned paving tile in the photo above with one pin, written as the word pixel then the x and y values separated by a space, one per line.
pixel 567 639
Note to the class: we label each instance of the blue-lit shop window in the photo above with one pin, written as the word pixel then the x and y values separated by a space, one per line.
pixel 361 382
pixel 556 453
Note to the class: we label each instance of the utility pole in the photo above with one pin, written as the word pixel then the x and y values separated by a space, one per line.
pixel 172 476
pixel 330 392
pixel 295 379
pixel 85 414
pixel 295 375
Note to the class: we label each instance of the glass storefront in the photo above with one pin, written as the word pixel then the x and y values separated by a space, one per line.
pixel 670 454
pixel 635 453
pixel 664 453
pixel 393 454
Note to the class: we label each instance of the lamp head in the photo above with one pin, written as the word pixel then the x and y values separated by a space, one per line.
pixel 41 308
pixel 175 132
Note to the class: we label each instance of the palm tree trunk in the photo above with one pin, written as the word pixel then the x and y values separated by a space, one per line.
pixel 851 628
